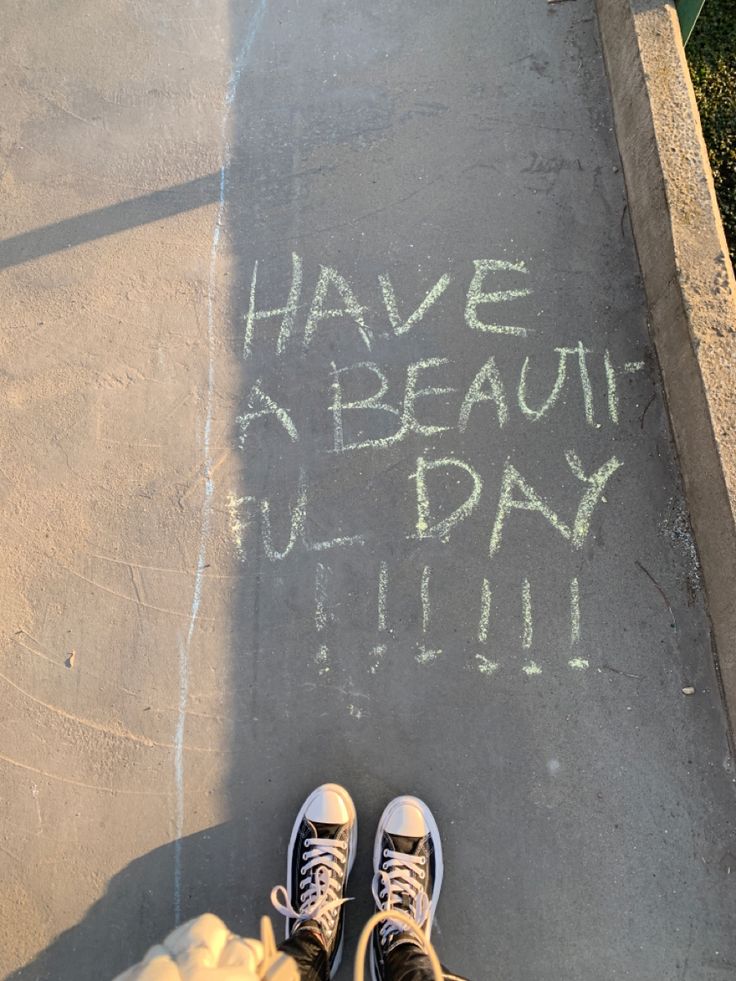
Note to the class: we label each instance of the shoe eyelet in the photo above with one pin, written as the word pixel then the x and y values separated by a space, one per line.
pixel 385 852
pixel 424 860
pixel 308 843
pixel 302 870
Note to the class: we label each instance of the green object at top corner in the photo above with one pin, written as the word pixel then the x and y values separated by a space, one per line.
pixel 688 11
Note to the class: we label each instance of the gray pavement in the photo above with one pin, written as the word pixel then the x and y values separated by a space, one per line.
pixel 397 508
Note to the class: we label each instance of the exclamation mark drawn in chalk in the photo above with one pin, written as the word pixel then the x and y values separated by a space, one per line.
pixel 379 651
pixel 485 665
pixel 321 616
pixel 531 667
pixel 577 663
pixel 425 654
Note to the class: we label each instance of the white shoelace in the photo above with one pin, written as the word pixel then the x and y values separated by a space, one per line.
pixel 400 885
pixel 321 876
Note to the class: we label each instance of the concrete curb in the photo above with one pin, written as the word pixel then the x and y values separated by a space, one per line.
pixel 688 279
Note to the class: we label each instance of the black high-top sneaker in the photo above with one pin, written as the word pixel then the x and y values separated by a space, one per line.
pixel 407 867
pixel 320 859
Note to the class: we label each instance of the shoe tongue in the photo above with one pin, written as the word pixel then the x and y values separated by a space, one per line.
pixel 324 830
pixel 407 846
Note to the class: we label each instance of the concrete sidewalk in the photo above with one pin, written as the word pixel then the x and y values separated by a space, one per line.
pixel 334 449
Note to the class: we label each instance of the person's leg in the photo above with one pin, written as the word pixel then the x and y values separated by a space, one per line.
pixel 408 962
pixel 407 865
pixel 308 950
pixel 321 855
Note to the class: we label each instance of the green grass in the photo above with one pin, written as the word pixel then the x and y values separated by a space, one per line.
pixel 711 53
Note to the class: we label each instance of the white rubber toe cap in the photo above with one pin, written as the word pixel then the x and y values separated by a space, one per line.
pixel 327 806
pixel 407 819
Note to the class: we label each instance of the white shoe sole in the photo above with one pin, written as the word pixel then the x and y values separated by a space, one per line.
pixel 439 865
pixel 352 847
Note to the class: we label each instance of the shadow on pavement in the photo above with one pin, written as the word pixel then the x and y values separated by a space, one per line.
pixel 138 901
pixel 109 221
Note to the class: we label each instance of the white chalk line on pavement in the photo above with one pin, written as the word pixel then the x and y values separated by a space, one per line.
pixel 231 92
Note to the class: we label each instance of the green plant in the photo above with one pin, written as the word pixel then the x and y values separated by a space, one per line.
pixel 711 53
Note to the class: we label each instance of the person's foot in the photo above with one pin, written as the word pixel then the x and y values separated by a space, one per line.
pixel 320 858
pixel 407 866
